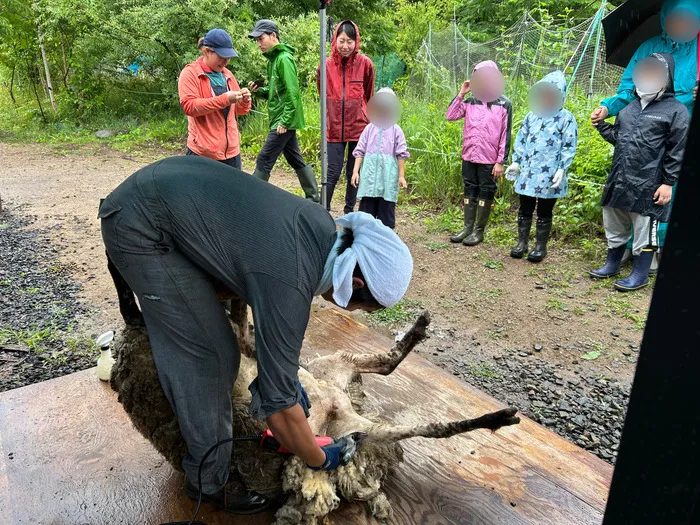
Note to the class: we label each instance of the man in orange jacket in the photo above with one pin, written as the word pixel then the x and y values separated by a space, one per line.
pixel 211 99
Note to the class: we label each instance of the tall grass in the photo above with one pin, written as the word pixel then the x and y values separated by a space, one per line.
pixel 433 171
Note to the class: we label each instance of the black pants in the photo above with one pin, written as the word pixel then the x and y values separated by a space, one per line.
pixel 274 146
pixel 336 160
pixel 545 207
pixel 478 181
pixel 234 162
pixel 380 209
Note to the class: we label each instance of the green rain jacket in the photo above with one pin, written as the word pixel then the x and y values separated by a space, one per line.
pixel 284 105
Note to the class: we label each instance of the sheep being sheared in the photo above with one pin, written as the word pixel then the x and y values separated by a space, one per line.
pixel 334 387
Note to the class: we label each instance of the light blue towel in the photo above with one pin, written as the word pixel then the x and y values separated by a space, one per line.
pixel 384 260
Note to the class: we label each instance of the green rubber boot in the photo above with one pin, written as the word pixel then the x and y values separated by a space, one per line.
pixel 307 179
pixel 261 175
pixel 469 218
pixel 484 212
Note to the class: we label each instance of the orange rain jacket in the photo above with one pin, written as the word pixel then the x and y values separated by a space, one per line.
pixel 209 134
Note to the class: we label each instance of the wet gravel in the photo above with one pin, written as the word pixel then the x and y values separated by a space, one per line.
pixel 587 408
pixel 39 307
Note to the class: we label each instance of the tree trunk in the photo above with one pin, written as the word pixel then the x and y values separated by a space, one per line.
pixel 42 79
pixel 12 84
pixel 65 65
pixel 36 94
pixel 49 84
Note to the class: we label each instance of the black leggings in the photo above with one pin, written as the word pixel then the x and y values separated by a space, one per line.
pixel 380 209
pixel 545 207
pixel 478 181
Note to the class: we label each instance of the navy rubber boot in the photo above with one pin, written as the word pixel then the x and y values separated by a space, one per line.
pixel 639 277
pixel 612 265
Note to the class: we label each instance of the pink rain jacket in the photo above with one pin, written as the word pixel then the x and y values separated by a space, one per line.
pixel 487 127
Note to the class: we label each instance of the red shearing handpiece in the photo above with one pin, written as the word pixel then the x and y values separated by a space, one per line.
pixel 268 442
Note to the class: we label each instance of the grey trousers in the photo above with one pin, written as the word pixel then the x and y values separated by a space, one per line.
pixel 194 348
pixel 619 226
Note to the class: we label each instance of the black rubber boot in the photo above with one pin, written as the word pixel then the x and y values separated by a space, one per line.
pixel 544 229
pixel 231 498
pixel 524 227
pixel 469 219
pixel 307 179
pixel 484 212
pixel 330 190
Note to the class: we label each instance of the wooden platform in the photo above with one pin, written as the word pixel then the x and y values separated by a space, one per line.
pixel 69 456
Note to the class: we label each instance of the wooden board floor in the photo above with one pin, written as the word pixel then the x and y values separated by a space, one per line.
pixel 69 456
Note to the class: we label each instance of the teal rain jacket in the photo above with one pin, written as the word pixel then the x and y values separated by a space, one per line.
pixel 685 56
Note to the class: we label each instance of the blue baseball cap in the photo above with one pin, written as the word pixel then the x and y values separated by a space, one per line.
pixel 220 41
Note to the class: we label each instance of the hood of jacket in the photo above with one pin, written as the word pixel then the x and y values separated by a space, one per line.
pixel 671 5
pixel 558 79
pixel 270 54
pixel 668 60
pixel 486 64
pixel 337 57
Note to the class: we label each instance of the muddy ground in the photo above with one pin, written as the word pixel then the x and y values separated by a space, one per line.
pixel 544 337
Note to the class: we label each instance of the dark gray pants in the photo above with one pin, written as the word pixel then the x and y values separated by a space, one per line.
pixel 234 162
pixel 194 348
pixel 336 161
pixel 276 145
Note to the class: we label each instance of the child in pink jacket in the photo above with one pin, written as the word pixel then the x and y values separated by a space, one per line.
pixel 488 117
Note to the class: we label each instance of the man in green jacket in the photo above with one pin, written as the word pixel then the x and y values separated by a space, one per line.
pixel 284 107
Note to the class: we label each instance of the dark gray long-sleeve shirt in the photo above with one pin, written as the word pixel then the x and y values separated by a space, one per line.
pixel 265 244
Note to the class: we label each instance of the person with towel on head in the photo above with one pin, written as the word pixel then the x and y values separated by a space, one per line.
pixel 381 155
pixel 182 227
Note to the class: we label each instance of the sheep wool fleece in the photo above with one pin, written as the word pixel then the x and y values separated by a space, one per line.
pixel 179 229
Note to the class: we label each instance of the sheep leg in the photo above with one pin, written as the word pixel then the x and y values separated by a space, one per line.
pixel 127 302
pixel 238 313
pixel 492 421
pixel 385 364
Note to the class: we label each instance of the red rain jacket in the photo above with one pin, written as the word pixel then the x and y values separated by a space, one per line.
pixel 350 85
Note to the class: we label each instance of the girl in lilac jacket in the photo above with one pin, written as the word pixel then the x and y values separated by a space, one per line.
pixel 485 149
pixel 380 156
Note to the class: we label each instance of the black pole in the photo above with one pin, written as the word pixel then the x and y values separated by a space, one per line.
pixel 657 476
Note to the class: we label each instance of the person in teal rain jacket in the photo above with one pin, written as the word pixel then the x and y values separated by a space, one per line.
pixel 680 23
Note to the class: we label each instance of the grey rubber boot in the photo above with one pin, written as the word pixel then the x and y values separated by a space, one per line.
pixel 524 227
pixel 261 175
pixel 307 179
pixel 469 219
pixel 483 213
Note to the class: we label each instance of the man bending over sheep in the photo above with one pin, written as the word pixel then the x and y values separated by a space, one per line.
pixel 177 229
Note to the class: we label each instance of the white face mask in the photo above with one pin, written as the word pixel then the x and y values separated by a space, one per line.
pixel 648 97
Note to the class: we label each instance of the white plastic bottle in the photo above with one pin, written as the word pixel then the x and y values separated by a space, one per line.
pixel 105 362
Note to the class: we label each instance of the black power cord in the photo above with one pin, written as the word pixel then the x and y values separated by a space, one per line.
pixel 193 519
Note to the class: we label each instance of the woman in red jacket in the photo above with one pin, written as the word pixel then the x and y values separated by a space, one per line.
pixel 211 99
pixel 350 85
